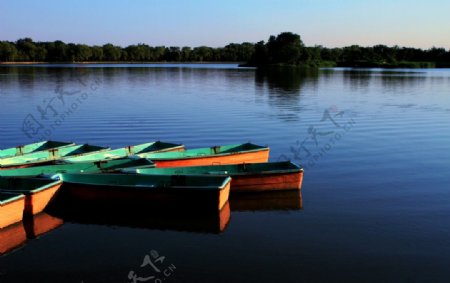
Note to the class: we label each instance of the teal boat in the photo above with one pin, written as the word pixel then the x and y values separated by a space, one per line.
pixel 123 152
pixel 33 147
pixel 268 176
pixel 79 167
pixel 49 156
pixel 135 189
pixel 216 155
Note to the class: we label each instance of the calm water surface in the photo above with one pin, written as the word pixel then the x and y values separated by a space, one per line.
pixel 375 202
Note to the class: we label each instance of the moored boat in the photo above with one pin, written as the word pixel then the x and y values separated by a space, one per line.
pixel 11 207
pixel 33 147
pixel 123 152
pixel 49 156
pixel 79 167
pixel 216 155
pixel 270 176
pixel 134 189
pixel 38 191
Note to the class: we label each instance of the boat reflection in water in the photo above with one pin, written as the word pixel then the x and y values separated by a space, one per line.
pixel 184 219
pixel 187 219
pixel 264 201
pixel 40 224
pixel 12 237
pixel 32 226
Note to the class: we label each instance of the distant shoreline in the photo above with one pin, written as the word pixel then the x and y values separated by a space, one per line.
pixel 116 62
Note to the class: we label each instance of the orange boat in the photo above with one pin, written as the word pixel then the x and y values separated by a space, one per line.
pixel 11 207
pixel 37 191
pixel 254 177
pixel 216 155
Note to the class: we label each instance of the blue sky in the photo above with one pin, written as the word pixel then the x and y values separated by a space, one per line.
pixel 332 23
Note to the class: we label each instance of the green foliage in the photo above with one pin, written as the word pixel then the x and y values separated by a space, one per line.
pixel 8 51
pixel 285 49
pixel 111 52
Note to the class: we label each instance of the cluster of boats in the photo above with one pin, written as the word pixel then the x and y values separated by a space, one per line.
pixel 155 174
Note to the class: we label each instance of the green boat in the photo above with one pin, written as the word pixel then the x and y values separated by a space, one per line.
pixel 33 147
pixel 123 152
pixel 274 176
pixel 226 154
pixel 79 167
pixel 49 156
pixel 136 189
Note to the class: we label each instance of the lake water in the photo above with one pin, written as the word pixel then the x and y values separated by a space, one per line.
pixel 375 201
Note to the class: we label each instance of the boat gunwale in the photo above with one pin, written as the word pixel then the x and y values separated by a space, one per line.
pixel 33 191
pixel 17 197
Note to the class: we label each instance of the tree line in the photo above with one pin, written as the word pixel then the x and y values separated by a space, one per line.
pixel 288 49
pixel 26 50
pixel 284 49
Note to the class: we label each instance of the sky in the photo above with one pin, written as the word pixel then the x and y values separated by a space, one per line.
pixel 331 23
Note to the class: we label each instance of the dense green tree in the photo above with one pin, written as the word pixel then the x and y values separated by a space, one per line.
pixel 97 53
pixel 26 49
pixel 202 53
pixel 186 53
pixel 172 54
pixel 286 48
pixel 8 51
pixel 111 52
pixel 82 53
pixel 261 54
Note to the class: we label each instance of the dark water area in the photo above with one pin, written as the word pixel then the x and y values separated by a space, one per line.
pixel 375 201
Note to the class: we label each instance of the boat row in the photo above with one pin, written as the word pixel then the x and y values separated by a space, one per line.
pixel 151 174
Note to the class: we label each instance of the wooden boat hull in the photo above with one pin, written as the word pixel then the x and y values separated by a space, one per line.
pixel 35 202
pixel 12 237
pixel 267 182
pixel 11 210
pixel 176 191
pixel 177 199
pixel 237 158
pixel 37 192
pixel 255 177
